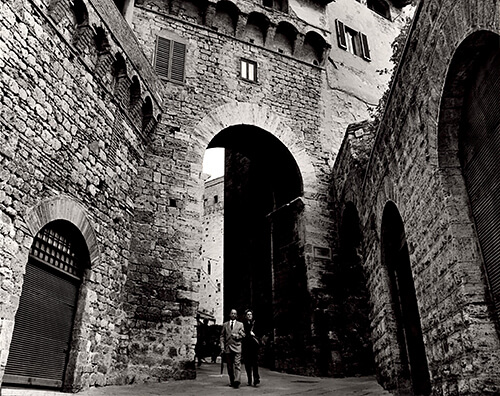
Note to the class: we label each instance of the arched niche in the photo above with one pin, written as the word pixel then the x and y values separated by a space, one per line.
pixel 468 152
pixel 313 49
pixel 284 38
pixel 226 17
pixel 192 10
pixel 256 28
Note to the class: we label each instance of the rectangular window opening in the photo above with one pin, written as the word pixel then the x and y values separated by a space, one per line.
pixel 170 59
pixel 248 70
pixel 353 41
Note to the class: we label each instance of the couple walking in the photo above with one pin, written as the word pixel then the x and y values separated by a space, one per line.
pixel 237 338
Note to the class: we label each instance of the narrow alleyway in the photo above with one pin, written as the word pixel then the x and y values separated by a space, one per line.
pixel 210 382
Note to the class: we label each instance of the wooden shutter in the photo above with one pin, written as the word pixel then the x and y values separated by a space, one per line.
pixel 170 59
pixel 480 159
pixel 365 50
pixel 162 57
pixel 341 34
pixel 178 60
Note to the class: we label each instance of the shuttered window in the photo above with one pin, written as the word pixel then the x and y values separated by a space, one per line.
pixel 352 41
pixel 170 57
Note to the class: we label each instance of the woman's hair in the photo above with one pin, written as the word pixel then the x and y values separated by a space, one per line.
pixel 249 310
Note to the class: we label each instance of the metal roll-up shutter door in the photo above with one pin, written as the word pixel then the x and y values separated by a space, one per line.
pixel 480 157
pixel 43 326
pixel 42 331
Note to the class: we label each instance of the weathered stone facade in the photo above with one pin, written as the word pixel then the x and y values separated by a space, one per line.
pixel 212 268
pixel 412 180
pixel 92 136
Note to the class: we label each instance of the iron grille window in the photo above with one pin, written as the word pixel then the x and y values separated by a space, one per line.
pixel 353 41
pixel 248 70
pixel 169 61
pixel 52 248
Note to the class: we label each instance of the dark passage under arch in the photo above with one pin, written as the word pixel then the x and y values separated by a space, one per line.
pixel 264 265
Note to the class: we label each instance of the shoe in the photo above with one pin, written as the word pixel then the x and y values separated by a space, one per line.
pixel 249 383
pixel 256 382
pixel 236 384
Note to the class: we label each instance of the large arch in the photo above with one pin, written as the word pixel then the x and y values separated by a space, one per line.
pixel 468 149
pixel 264 227
pixel 260 116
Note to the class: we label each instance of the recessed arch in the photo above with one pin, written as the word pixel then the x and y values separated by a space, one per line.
pixel 63 251
pixel 226 17
pixel 413 372
pixel 468 151
pixel 349 286
pixel 80 12
pixel 64 208
pixel 135 92
pixel 256 28
pixel 284 38
pixel 101 41
pixel 313 48
pixel 192 10
pixel 147 113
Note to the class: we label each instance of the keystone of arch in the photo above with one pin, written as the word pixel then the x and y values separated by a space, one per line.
pixel 63 208
pixel 237 113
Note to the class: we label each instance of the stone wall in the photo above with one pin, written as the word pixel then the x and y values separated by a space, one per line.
pixel 212 270
pixel 70 150
pixel 408 168
pixel 89 134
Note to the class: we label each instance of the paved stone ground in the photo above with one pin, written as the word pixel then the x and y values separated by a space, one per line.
pixel 210 382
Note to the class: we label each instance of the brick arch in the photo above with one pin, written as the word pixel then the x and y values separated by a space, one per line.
pixel 63 208
pixel 236 113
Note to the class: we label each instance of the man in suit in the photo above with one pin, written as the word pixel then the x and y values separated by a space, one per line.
pixel 230 342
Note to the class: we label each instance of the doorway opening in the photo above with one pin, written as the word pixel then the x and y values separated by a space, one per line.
pixel 414 371
pixel 262 243
pixel 41 339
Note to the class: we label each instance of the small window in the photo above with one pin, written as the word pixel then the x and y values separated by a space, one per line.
pixel 216 198
pixel 248 70
pixel 353 41
pixel 170 57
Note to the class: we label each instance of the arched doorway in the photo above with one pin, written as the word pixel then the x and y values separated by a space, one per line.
pixel 469 148
pixel 414 372
pixel 264 265
pixel 43 327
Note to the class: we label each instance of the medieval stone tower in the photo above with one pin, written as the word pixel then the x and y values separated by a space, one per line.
pixel 371 251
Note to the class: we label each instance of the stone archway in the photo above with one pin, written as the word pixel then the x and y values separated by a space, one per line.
pixel 63 247
pixel 468 149
pixel 260 116
pixel 264 244
pixel 413 369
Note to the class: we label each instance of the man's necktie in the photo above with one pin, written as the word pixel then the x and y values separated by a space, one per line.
pixel 231 325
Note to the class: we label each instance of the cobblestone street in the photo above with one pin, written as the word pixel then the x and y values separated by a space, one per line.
pixel 210 382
